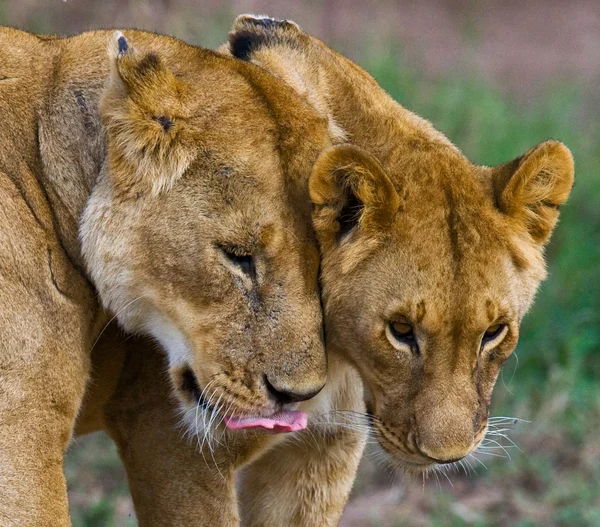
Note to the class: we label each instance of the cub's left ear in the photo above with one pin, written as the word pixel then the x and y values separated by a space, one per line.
pixel 144 110
pixel 351 193
pixel 531 188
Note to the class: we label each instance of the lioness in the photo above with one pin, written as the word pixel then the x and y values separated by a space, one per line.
pixel 429 264
pixel 168 186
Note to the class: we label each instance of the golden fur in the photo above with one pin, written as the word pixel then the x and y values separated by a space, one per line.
pixel 399 193
pixel 414 236
pixel 165 186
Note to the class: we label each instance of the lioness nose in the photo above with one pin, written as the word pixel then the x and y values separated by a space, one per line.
pixel 285 396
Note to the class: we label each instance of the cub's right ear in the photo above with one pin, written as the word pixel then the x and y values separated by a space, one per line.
pixel 531 188
pixel 351 192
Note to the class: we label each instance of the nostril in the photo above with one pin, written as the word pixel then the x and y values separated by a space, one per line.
pixel 438 461
pixel 284 396
pixel 446 461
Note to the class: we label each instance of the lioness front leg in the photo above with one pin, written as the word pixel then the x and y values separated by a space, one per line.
pixel 46 312
pixel 171 482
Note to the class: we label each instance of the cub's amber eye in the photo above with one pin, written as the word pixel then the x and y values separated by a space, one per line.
pixel 402 330
pixel 492 332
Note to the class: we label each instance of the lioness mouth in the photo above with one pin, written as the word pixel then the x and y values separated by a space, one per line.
pixel 277 423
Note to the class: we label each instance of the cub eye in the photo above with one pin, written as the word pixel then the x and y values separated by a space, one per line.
pixel 492 332
pixel 244 262
pixel 402 331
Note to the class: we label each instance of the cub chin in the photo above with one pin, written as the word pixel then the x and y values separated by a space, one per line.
pixel 429 262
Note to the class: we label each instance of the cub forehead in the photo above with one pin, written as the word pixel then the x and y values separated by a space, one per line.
pixel 443 270
pixel 425 281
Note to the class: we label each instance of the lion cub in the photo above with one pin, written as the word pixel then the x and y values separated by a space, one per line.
pixel 429 262
pixel 169 187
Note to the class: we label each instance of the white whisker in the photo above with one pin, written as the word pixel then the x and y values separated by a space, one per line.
pixel 113 318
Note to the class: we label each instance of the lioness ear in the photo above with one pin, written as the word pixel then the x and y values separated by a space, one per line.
pixel 144 111
pixel 350 190
pixel 531 188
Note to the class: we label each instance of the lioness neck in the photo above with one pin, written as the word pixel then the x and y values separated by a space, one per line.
pixel 49 94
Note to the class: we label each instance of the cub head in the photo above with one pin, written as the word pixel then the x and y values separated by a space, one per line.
pixel 429 262
pixel 198 232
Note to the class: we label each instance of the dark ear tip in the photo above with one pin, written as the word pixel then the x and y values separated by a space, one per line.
pixel 243 43
pixel 266 22
pixel 122 45
pixel 251 32
pixel 262 21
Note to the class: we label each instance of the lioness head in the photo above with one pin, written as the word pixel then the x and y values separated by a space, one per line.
pixel 198 231
pixel 429 261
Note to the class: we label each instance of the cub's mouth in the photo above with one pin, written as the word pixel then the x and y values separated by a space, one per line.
pixel 224 405
pixel 401 447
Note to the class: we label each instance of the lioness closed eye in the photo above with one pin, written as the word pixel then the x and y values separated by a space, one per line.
pixel 429 263
pixel 203 267
pixel 191 231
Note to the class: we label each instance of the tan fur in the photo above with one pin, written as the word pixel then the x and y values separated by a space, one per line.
pixel 187 480
pixel 129 186
pixel 428 238
pixel 412 232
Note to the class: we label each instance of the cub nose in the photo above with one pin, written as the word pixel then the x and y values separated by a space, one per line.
pixel 284 396
pixel 447 461
pixel 451 454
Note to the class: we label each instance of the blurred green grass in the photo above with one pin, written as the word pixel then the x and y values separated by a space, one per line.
pixel 552 380
pixel 555 479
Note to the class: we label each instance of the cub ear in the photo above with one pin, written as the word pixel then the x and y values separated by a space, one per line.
pixel 350 191
pixel 531 188
pixel 283 49
pixel 144 111
pixel 250 32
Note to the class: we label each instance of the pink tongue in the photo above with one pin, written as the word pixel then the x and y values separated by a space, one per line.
pixel 278 423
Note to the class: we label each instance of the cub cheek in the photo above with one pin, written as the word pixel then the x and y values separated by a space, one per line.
pixel 485 383
pixel 480 420
pixel 383 402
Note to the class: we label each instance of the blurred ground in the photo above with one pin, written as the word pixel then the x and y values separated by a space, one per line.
pixel 496 77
